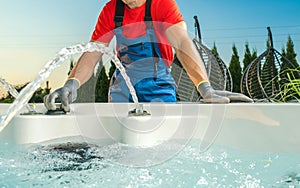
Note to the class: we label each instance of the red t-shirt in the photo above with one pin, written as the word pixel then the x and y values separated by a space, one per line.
pixel 164 14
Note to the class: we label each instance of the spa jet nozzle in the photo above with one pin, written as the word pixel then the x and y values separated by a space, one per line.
pixel 138 111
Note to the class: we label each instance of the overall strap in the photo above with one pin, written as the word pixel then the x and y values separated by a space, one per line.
pixel 148 17
pixel 119 14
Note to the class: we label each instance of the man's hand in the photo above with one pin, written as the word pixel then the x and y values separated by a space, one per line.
pixel 210 95
pixel 67 94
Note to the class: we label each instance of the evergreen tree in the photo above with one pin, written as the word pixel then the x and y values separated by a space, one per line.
pixel 284 66
pixel 254 55
pixel 47 89
pixel 102 85
pixel 290 52
pixel 37 97
pixel 214 50
pixel 288 71
pixel 283 53
pixel 248 56
pixel 111 70
pixel 235 69
pixel 289 62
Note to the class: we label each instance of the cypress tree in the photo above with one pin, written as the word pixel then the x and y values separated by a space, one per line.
pixel 235 69
pixel 284 66
pixel 288 60
pixel 248 56
pixel 290 52
pixel 289 70
pixel 254 55
pixel 214 50
pixel 102 85
pixel 111 70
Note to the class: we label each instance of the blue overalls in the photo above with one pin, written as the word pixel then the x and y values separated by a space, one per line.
pixel 143 62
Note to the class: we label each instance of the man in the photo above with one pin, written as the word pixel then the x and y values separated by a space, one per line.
pixel 146 32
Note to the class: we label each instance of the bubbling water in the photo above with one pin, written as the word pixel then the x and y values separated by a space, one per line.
pixel 26 93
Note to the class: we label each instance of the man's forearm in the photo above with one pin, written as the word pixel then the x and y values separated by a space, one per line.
pixel 192 62
pixel 186 52
pixel 85 66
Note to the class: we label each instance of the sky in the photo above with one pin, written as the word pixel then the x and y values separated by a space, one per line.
pixel 33 31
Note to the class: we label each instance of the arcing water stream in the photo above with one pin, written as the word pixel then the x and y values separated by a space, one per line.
pixel 26 93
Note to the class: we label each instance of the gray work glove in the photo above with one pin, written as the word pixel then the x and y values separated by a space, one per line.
pixel 66 94
pixel 210 95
